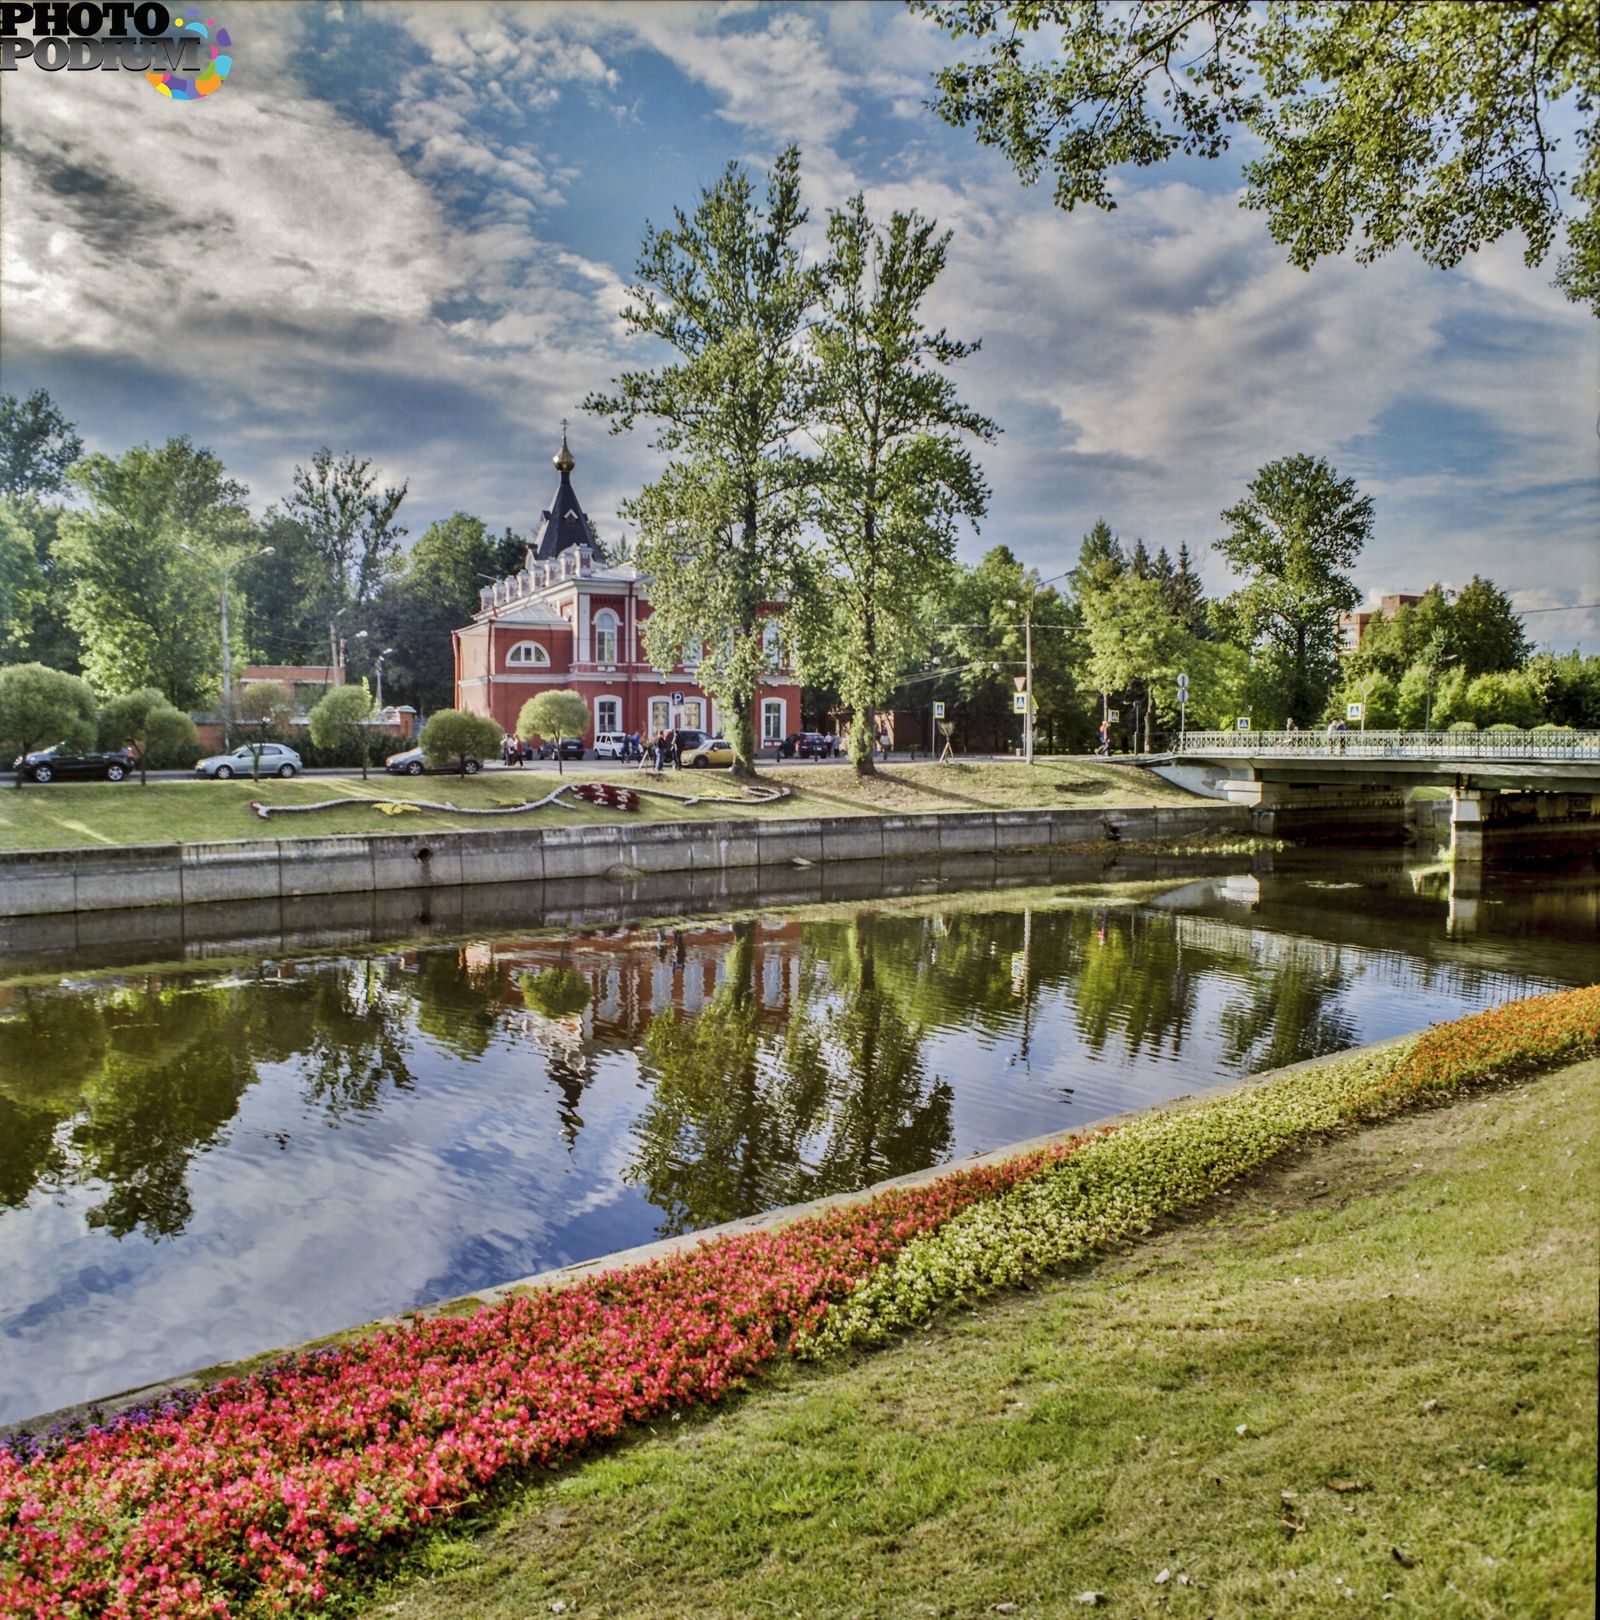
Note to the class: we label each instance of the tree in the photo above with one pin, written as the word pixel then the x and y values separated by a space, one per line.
pixel 1569 688
pixel 438 593
pixel 1485 631
pixel 40 706
pixel 145 721
pixel 1135 641
pixel 893 476
pixel 1387 123
pixel 349 521
pixel 455 734
pixel 34 587
pixel 37 445
pixel 1291 539
pixel 726 291
pixel 142 593
pixel 264 704
pixel 557 714
pixel 343 715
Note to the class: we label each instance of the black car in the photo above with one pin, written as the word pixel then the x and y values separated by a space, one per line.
pixel 570 748
pixel 413 762
pixel 808 745
pixel 61 763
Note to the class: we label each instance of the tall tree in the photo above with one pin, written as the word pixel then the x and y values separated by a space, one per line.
pixel 37 445
pixel 1485 630
pixel 1187 595
pixel 1291 539
pixel 1397 122
pixel 725 290
pixel 140 558
pixel 893 476
pixel 1135 643
pixel 350 522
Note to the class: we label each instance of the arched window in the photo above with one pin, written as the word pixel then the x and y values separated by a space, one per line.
pixel 605 637
pixel 527 655
pixel 771 646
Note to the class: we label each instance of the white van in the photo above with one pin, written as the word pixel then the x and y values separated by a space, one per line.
pixel 609 744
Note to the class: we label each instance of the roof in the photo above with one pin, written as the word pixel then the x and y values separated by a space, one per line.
pixel 565 523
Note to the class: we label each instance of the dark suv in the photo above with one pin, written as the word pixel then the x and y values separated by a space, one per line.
pixel 808 745
pixel 61 763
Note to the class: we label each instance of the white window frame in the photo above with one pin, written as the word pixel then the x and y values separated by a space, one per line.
pixel 614 703
pixel 693 655
pixel 540 658
pixel 774 707
pixel 772 645
pixel 660 714
pixel 606 624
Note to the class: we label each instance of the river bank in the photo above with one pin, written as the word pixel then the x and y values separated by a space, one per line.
pixel 639 1344
pixel 1363 1382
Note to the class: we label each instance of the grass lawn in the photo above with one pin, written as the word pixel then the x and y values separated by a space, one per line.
pixel 1402 1323
pixel 67 815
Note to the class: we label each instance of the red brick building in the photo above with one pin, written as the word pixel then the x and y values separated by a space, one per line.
pixel 570 619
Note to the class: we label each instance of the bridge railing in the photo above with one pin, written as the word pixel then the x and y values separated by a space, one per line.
pixel 1583 745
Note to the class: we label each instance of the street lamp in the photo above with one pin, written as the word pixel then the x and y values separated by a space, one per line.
pixel 344 642
pixel 228 565
pixel 1027 629
pixel 379 661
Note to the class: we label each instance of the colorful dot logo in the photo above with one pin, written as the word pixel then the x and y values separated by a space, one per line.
pixel 211 76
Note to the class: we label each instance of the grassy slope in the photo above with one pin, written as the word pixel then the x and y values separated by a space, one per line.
pixel 83 814
pixel 1083 1437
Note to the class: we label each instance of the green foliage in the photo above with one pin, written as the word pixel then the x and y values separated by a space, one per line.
pixel 1569 688
pixel 349 521
pixel 34 587
pixel 341 718
pixel 455 734
pixel 1292 538
pixel 726 292
pixel 557 992
pixel 264 704
pixel 37 446
pixel 1508 699
pixel 161 735
pixel 142 563
pixel 561 713
pixel 40 707
pixel 438 593
pixel 893 475
pixel 1382 124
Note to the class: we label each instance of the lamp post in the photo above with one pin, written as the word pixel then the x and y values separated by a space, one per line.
pixel 381 656
pixel 344 642
pixel 1027 678
pixel 228 565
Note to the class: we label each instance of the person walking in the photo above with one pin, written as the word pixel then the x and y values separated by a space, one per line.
pixel 883 742
pixel 1105 738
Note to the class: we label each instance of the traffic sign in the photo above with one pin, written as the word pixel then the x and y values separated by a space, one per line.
pixel 1113 714
pixel 1183 683
pixel 1242 723
pixel 677 700
pixel 1019 702
pixel 1352 711
pixel 938 711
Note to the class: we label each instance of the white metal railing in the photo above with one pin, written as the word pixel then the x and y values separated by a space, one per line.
pixel 1584 745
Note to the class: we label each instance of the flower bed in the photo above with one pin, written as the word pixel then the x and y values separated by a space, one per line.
pixel 260 1494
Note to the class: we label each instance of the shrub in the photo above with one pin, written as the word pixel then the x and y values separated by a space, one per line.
pixel 340 720
pixel 39 707
pixel 455 734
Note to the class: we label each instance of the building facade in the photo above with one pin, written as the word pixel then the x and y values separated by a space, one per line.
pixel 569 619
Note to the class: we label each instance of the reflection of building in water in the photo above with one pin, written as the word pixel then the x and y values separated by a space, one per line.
pixel 632 975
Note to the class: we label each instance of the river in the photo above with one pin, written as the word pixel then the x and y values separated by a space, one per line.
pixel 224 1134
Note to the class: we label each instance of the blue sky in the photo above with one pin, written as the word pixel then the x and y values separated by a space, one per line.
pixel 406 229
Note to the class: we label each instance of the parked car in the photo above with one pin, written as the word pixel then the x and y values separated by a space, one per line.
pixel 610 745
pixel 713 751
pixel 276 760
pixel 61 763
pixel 568 748
pixel 689 738
pixel 808 745
pixel 413 762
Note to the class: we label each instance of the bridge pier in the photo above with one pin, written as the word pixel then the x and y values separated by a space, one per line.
pixel 1326 812
pixel 1501 821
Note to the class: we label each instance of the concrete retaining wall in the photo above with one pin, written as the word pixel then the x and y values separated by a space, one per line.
pixel 46 882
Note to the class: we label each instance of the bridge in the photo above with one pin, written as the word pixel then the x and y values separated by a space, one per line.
pixel 1536 792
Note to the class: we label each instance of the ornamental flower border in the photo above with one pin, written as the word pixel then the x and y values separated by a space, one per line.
pixel 262 1494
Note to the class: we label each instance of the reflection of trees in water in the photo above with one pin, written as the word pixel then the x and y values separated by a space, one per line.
pixel 741 1120
pixel 1286 1015
pixel 124 1086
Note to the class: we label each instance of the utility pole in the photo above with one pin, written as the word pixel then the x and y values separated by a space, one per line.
pixel 228 565
pixel 1027 718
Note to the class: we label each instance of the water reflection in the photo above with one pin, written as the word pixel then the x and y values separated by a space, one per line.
pixel 197 1164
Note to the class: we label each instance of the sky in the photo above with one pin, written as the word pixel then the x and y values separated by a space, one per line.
pixel 406 230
